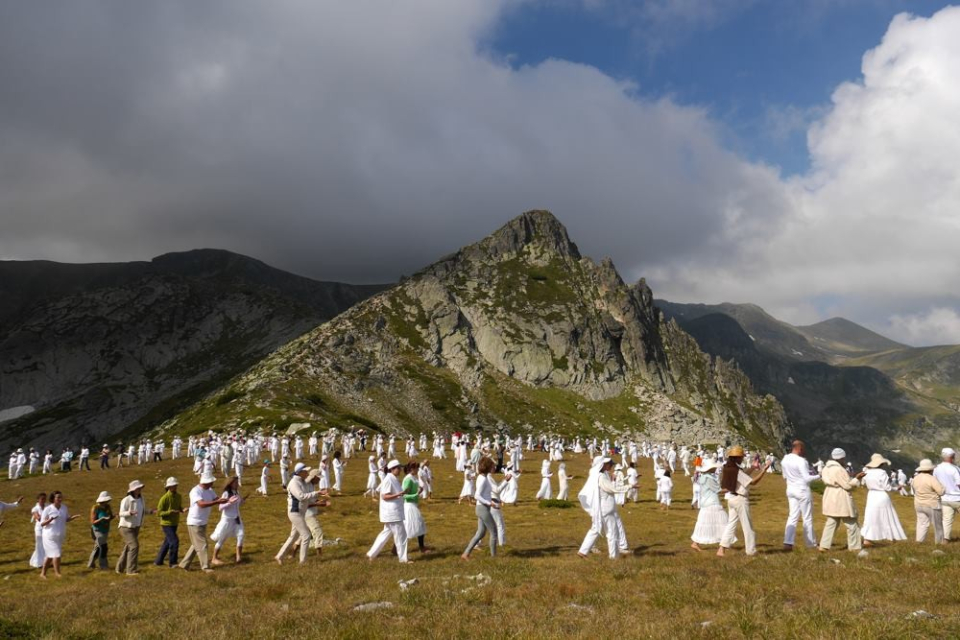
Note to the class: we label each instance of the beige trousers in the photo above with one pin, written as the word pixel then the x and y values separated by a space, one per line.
pixel 130 553
pixel 738 510
pixel 950 511
pixel 854 541
pixel 198 546
pixel 927 516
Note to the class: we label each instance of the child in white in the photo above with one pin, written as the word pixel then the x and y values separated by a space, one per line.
pixel 665 489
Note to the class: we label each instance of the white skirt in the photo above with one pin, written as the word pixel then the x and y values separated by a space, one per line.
pixel 467 491
pixel 880 521
pixel 412 520
pixel 228 528
pixel 711 521
pixel 36 560
pixel 52 545
pixel 509 493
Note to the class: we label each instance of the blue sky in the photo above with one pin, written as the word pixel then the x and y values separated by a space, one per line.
pixel 762 69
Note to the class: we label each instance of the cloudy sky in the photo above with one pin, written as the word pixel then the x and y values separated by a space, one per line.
pixel 801 158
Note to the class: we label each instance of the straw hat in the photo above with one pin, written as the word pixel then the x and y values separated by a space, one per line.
pixel 735 451
pixel 876 460
pixel 926 465
pixel 104 497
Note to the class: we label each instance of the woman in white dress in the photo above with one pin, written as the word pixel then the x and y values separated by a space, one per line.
pixel 36 515
pixel 413 520
pixel 880 521
pixel 511 490
pixel 545 491
pixel 372 478
pixel 54 521
pixel 230 525
pixel 620 480
pixel 563 480
pixel 468 484
pixel 324 473
pixel 712 519
pixel 338 465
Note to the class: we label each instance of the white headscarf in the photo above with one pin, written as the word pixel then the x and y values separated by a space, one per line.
pixel 589 495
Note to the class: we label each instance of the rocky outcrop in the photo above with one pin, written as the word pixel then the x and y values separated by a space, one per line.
pixel 517 330
pixel 98 350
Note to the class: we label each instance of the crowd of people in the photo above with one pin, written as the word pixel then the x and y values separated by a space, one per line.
pixel 721 478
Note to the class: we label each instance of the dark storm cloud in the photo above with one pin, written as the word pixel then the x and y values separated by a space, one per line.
pixel 355 141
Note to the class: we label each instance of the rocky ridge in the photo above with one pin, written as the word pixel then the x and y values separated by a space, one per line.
pixel 518 330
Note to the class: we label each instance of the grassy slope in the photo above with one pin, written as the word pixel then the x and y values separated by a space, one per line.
pixel 662 590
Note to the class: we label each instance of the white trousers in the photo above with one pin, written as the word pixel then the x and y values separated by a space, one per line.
pixel 399 534
pixel 298 531
pixel 738 510
pixel 611 531
pixel 497 515
pixel 950 510
pixel 801 506
pixel 927 517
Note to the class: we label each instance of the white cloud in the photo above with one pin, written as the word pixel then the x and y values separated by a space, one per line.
pixel 938 325
pixel 878 216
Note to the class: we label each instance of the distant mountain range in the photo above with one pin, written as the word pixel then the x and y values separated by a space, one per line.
pixel 839 382
pixel 91 351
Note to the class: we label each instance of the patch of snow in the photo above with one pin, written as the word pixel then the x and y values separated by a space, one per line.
pixel 797 353
pixel 790 380
pixel 752 338
pixel 15 412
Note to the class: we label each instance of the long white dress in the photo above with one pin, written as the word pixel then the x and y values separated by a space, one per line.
pixel 36 560
pixel 55 531
pixel 880 521
pixel 545 491
pixel 511 489
pixel 563 490
pixel 712 518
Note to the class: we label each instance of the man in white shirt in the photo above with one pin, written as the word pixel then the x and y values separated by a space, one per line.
pixel 391 514
pixel 798 476
pixel 948 475
pixel 202 497
pixel 131 519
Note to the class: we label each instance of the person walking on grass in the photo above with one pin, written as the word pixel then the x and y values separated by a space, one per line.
pixel 202 498
pixel 484 499
pixel 927 491
pixel 598 499
pixel 948 475
pixel 798 475
pixel 312 513
pixel 36 515
pixel 391 514
pixel 264 477
pixel 415 526
pixel 712 517
pixel 299 498
pixel 838 504
pixel 880 521
pixel 54 522
pixel 131 519
pixel 168 513
pixel 101 514
pixel 230 525
pixel 665 487
pixel 737 484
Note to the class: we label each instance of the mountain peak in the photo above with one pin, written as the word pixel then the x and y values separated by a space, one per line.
pixel 537 227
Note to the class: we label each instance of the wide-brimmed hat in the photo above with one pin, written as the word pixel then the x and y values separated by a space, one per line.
pixel 171 482
pixel 393 464
pixel 133 486
pixel 207 479
pixel 735 451
pixel 314 474
pixel 104 497
pixel 926 465
pixel 838 454
pixel 876 460
pixel 709 465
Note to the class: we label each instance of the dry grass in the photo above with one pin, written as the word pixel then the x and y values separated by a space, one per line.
pixel 540 588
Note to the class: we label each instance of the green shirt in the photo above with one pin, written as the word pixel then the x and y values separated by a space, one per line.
pixel 168 509
pixel 411 490
pixel 100 511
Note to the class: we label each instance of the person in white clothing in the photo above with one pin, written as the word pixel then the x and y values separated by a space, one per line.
pixel 598 499
pixel 391 514
pixel 338 465
pixel 880 521
pixel 6 506
pixel 563 483
pixel 737 484
pixel 36 560
pixel 264 478
pixel 486 525
pixel 131 519
pixel 948 475
pixel 798 476
pixel 54 521
pixel 372 478
pixel 545 490
pixel 202 498
pixel 665 487
pixel 230 525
